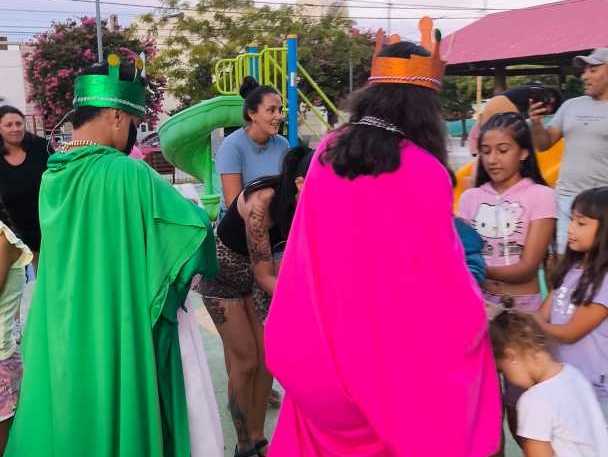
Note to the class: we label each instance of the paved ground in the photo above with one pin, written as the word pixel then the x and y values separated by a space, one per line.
pixel 215 357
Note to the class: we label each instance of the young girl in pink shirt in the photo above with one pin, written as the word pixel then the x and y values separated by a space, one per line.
pixel 513 210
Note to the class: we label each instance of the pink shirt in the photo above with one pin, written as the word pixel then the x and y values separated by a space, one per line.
pixel 503 220
pixel 377 330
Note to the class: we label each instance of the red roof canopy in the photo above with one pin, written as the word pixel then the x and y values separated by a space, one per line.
pixel 529 34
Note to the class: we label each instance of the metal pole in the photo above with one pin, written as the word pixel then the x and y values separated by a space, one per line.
pixel 98 23
pixel 292 90
pixel 390 10
pixel 254 63
pixel 350 70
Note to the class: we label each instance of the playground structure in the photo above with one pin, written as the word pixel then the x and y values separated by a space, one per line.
pixel 185 138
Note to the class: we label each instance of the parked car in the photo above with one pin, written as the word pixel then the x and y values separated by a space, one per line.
pixel 149 148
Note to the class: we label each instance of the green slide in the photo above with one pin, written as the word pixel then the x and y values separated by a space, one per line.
pixel 185 140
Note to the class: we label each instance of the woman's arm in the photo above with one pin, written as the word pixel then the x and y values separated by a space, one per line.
pixel 8 256
pixel 535 248
pixel 534 448
pixel 257 223
pixel 232 185
pixel 584 320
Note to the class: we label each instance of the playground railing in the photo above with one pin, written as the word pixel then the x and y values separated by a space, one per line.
pixel 269 67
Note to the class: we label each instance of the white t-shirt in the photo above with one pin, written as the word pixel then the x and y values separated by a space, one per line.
pixel 565 412
pixel 583 122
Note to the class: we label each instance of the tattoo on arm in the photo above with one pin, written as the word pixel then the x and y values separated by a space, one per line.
pixel 258 240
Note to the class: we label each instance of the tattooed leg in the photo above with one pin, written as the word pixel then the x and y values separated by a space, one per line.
pixel 242 360
pixel 263 379
pixel 239 419
pixel 216 307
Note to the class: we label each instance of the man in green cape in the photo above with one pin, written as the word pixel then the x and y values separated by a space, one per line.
pixel 102 367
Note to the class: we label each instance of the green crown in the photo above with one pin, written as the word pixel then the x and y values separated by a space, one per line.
pixel 108 91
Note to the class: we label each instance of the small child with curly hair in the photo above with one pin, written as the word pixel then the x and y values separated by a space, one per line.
pixel 558 414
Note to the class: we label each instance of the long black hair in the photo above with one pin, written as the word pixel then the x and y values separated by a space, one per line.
pixel 517 126
pixel 283 204
pixel 253 94
pixel 416 111
pixel 8 109
pixel 592 203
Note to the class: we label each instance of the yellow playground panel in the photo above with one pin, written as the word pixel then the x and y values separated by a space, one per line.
pixel 548 162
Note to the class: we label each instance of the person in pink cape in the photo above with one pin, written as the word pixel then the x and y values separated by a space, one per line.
pixel 137 153
pixel 377 331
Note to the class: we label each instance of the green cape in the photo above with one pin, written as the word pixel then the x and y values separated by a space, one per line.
pixel 102 368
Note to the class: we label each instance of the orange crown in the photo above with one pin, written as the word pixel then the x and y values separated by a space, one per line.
pixel 416 70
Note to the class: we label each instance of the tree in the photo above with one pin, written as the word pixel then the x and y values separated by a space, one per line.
pixel 55 57
pixel 457 99
pixel 217 29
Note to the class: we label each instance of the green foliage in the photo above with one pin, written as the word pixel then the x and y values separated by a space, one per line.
pixel 195 41
pixel 54 59
pixel 574 87
pixel 458 96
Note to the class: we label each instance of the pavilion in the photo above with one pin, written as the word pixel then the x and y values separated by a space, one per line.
pixel 536 40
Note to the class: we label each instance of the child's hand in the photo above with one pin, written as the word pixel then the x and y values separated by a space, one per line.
pixel 539 318
pixel 492 310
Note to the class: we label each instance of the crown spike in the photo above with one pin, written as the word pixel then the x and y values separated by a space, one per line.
pixel 379 41
pixel 425 25
pixel 417 70
pixel 437 47
pixel 114 67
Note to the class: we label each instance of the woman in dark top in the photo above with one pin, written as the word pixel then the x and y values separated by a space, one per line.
pixel 250 240
pixel 23 159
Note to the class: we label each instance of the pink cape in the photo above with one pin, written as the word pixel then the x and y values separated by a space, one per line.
pixel 137 153
pixel 377 330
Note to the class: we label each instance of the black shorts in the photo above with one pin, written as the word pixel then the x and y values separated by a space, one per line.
pixel 234 280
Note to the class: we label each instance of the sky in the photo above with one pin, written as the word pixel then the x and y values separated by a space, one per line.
pixel 20 20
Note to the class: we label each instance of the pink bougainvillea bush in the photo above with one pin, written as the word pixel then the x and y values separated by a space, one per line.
pixel 55 57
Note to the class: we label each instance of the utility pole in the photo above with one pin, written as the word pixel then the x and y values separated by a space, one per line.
pixel 390 11
pixel 98 23
pixel 350 71
pixel 479 79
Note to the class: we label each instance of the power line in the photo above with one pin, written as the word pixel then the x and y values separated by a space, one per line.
pixel 227 11
pixel 393 5
pixel 30 11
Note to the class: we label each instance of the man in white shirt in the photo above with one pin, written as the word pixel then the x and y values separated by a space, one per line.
pixel 583 123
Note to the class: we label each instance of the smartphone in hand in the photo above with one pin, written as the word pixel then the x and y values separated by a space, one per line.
pixel 538 95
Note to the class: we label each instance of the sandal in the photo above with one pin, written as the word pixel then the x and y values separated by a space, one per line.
pixel 253 452
pixel 260 445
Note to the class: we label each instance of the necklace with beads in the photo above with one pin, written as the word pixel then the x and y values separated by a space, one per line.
pixel 67 147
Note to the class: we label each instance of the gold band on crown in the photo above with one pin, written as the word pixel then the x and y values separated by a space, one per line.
pixel 416 70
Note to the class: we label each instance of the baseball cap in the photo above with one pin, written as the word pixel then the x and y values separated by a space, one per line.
pixel 599 56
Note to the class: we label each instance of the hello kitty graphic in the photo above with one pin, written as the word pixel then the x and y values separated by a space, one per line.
pixel 500 222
